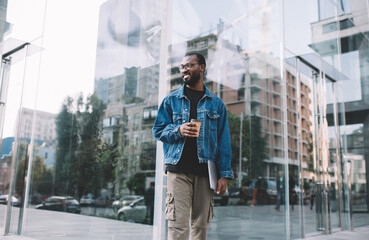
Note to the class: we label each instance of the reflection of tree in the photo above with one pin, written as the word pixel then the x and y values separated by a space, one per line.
pixel 136 183
pixel 148 156
pixel 254 144
pixel 82 159
pixel 41 177
pixel 65 154
pixel 88 171
pixel 310 152
pixel 21 168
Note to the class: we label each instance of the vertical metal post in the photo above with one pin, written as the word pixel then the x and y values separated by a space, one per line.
pixel 284 121
pixel 316 151
pixel 299 146
pixel 4 82
pixel 5 69
pixel 15 147
pixel 338 169
pixel 324 155
pixel 240 154
pixel 159 225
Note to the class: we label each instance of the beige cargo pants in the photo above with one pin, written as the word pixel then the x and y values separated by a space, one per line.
pixel 189 197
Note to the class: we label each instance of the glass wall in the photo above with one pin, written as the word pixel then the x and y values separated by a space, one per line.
pixel 83 148
pixel 80 87
pixel 241 43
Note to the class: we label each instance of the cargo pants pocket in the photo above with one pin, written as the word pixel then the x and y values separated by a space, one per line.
pixel 170 208
pixel 211 211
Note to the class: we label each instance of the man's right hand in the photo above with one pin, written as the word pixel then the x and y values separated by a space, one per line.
pixel 188 130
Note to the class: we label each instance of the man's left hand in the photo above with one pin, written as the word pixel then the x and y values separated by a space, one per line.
pixel 222 186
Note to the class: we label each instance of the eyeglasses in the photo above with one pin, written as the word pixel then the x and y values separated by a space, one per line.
pixel 187 66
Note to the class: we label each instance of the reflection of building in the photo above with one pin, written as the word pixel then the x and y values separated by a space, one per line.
pixel 257 93
pixel 45 133
pixel 4 26
pixel 126 80
pixel 45 128
pixel 44 140
pixel 344 40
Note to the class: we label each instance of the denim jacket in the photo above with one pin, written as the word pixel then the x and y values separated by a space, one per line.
pixel 213 143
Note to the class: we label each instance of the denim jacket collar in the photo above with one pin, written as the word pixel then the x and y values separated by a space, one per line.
pixel 180 93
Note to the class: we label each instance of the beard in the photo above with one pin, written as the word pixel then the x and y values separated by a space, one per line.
pixel 191 80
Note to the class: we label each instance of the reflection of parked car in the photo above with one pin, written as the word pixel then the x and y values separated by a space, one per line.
pixel 125 201
pixel 87 200
pixel 36 198
pixel 135 212
pixel 101 201
pixel 4 200
pixel 59 203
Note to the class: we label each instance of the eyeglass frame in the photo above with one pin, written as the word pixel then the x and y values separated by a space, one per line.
pixel 187 66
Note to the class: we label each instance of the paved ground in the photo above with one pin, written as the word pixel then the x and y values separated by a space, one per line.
pixel 230 222
pixel 359 234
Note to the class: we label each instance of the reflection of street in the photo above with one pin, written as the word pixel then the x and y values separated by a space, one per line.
pixel 230 222
pixel 46 225
pixel 98 212
pixel 261 222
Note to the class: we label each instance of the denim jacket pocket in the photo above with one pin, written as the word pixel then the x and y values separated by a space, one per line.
pixel 212 119
pixel 170 208
pixel 177 119
pixel 211 140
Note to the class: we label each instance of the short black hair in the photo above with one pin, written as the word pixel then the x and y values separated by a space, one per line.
pixel 199 56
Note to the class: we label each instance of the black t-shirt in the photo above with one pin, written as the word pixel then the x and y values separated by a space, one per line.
pixel 189 161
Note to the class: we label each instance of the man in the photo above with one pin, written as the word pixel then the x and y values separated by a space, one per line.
pixel 280 189
pixel 291 185
pixel 189 196
pixel 149 201
pixel 312 187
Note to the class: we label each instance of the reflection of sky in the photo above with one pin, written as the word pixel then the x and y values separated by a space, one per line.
pixel 246 26
pixel 254 24
pixel 68 59
pixel 128 36
pixel 298 17
pixel 345 130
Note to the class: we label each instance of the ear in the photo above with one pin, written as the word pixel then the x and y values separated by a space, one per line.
pixel 202 68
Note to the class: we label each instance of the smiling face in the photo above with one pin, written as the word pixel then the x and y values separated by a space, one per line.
pixel 192 72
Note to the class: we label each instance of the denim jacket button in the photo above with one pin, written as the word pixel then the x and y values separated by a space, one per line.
pixel 186 109
pixel 178 150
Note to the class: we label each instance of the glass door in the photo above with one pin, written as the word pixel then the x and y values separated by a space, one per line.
pixel 321 168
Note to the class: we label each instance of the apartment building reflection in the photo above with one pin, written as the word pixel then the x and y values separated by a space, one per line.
pixel 249 83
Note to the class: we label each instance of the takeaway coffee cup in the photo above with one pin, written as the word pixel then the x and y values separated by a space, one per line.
pixel 198 125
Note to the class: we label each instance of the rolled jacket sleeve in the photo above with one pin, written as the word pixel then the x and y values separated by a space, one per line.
pixel 224 148
pixel 164 130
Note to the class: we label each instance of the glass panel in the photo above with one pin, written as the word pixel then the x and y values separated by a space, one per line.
pixel 93 152
pixel 334 161
pixel 240 42
pixel 87 146
pixel 355 50
pixel 321 32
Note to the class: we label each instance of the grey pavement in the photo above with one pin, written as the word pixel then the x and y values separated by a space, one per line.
pixel 361 233
pixel 230 222
pixel 358 234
